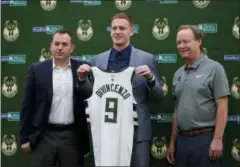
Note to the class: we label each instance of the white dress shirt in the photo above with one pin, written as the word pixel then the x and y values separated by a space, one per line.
pixel 62 99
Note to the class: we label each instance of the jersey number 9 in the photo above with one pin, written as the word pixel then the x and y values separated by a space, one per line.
pixel 111 110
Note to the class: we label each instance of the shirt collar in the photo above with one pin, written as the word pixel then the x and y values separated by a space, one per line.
pixel 55 66
pixel 125 51
pixel 196 63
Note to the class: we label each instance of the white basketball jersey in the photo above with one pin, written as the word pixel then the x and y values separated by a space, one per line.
pixel 111 117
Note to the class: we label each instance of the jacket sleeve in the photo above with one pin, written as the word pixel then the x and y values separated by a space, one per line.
pixel 155 89
pixel 27 108
pixel 85 87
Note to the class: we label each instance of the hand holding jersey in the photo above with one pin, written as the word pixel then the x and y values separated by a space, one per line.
pixel 83 71
pixel 111 114
pixel 142 70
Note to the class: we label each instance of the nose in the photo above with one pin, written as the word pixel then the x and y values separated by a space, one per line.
pixel 181 45
pixel 117 30
pixel 60 46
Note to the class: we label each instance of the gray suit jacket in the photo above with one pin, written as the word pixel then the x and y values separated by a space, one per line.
pixel 142 92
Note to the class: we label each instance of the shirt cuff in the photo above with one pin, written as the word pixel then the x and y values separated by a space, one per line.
pixel 153 78
pixel 23 139
pixel 151 82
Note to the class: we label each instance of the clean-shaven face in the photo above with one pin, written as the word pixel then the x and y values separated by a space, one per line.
pixel 187 45
pixel 121 31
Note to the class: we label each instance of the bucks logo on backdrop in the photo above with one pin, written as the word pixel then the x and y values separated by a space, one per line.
pixel 84 30
pixel 123 4
pixel 235 28
pixel 163 83
pixel 159 147
pixel 236 149
pixel 9 87
pixel 9 145
pixel 235 89
pixel 201 3
pixel 160 28
pixel 48 5
pixel 45 54
pixel 11 30
pixel 87 58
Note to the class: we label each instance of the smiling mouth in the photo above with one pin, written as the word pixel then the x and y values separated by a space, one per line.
pixel 184 51
pixel 118 37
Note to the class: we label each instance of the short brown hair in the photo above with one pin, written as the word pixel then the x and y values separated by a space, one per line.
pixel 61 31
pixel 198 35
pixel 123 16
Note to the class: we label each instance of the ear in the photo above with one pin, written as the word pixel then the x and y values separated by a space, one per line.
pixel 72 48
pixel 200 42
pixel 132 31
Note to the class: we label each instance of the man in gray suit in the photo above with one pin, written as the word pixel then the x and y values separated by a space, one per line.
pixel 146 84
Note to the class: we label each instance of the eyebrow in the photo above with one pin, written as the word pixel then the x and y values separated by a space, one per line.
pixel 60 42
pixel 118 26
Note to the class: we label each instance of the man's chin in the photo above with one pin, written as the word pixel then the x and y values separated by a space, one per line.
pixel 119 43
pixel 185 55
pixel 60 58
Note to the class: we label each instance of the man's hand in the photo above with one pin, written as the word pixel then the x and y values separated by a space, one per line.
pixel 83 71
pixel 143 70
pixel 26 147
pixel 171 153
pixel 215 150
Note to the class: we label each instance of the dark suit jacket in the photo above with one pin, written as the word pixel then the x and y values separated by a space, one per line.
pixel 37 101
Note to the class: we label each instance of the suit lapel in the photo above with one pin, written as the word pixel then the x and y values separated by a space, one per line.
pixel 74 67
pixel 49 79
pixel 104 64
pixel 134 57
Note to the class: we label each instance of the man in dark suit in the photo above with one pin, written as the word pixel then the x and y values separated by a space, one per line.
pixel 146 84
pixel 53 124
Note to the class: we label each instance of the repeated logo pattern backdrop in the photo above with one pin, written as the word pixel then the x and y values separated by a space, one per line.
pixel 26 33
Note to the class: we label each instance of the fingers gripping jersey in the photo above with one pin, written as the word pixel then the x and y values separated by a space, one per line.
pixel 111 117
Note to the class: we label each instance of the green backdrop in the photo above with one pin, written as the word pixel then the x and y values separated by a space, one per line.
pixel 26 34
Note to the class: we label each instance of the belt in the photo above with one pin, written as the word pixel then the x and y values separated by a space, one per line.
pixel 59 127
pixel 195 132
